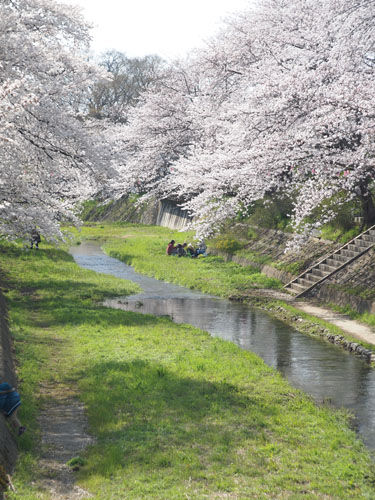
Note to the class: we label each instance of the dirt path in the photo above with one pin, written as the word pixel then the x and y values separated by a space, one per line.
pixel 64 426
pixel 63 436
pixel 353 328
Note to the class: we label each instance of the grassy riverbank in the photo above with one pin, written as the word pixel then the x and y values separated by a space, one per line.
pixel 144 247
pixel 176 414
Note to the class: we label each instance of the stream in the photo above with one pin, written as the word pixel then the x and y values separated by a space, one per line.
pixel 322 370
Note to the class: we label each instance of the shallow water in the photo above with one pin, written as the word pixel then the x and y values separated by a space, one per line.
pixel 320 369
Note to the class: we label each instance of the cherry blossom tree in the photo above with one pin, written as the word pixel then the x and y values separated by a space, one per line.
pixel 48 159
pixel 284 106
pixel 160 131
pixel 301 121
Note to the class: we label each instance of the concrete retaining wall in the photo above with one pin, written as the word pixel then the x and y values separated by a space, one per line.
pixel 165 213
pixel 8 445
pixel 327 292
pixel 272 272
pixel 169 214
pixel 269 271
pixel 330 294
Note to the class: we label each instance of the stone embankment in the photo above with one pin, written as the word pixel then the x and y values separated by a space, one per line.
pixel 353 287
pixel 8 444
pixel 165 213
pixel 350 327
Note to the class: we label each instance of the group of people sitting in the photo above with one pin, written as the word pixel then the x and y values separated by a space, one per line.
pixel 186 249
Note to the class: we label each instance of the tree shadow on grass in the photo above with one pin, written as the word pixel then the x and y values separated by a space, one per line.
pixel 69 301
pixel 65 311
pixel 147 417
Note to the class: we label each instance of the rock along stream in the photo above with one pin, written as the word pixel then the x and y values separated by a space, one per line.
pixel 324 371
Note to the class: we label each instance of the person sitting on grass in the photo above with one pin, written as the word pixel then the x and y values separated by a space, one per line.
pixel 171 249
pixel 202 248
pixel 190 250
pixel 10 402
pixel 181 252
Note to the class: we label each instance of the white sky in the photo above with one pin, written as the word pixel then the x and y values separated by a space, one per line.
pixel 169 28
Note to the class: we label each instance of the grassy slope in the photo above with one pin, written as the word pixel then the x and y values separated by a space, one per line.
pixel 144 247
pixel 177 414
pixel 210 274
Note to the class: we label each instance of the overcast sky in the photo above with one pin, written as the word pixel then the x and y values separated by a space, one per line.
pixel 169 28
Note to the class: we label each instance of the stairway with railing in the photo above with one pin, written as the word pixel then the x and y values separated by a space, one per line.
pixel 331 264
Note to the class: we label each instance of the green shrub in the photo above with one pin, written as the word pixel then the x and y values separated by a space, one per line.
pixel 342 227
pixel 290 267
pixel 228 245
pixel 76 462
pixel 272 212
pixel 252 234
pixel 334 233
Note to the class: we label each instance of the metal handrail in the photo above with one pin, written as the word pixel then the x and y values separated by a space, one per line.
pixel 329 256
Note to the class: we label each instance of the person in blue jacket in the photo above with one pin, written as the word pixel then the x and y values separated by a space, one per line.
pixel 10 401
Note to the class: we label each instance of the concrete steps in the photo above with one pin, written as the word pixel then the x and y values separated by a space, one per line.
pixel 333 263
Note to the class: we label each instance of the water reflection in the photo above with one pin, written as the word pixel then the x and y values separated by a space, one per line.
pixel 319 368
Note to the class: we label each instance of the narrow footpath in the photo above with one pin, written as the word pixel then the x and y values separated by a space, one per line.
pixel 354 328
pixel 64 435
pixel 350 326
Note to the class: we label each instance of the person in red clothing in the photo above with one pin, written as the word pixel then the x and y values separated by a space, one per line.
pixel 171 249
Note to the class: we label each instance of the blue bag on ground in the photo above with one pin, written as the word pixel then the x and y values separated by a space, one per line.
pixel 9 401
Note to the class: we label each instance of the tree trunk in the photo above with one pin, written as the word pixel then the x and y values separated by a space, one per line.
pixel 368 208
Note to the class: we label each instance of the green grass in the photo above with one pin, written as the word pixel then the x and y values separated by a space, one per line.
pixel 227 244
pixel 176 413
pixel 290 267
pixel 366 318
pixel 318 322
pixel 256 257
pixel 332 233
pixel 362 291
pixel 144 248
